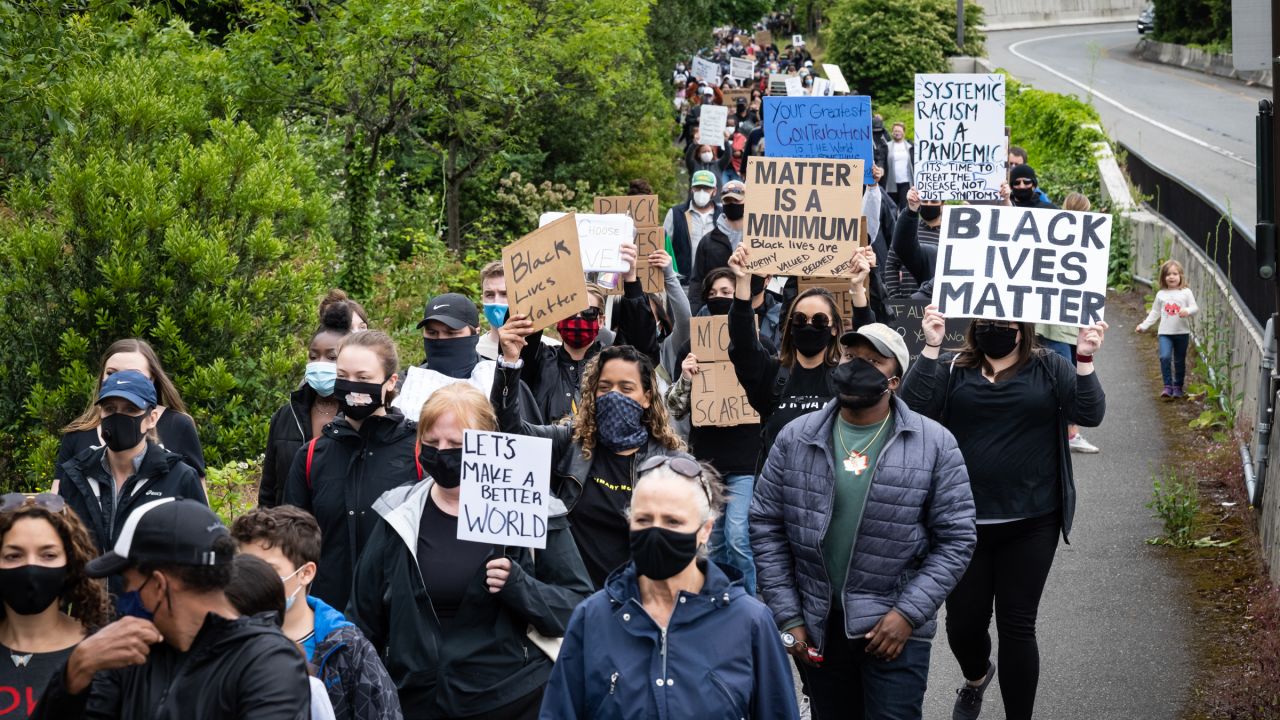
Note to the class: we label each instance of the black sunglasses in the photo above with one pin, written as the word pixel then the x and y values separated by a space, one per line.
pixel 1022 183
pixel 681 466
pixel 48 501
pixel 590 313
pixel 986 324
pixel 818 320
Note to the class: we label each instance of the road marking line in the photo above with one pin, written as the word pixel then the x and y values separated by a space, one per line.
pixel 1123 108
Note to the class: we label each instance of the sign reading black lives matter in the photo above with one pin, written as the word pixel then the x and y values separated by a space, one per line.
pixel 961 149
pixel 1022 264
pixel 802 216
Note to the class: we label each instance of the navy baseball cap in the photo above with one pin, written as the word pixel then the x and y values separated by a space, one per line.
pixel 456 311
pixel 169 531
pixel 130 385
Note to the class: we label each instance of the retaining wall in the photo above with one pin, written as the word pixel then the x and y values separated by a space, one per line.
pixel 1005 14
pixel 1193 59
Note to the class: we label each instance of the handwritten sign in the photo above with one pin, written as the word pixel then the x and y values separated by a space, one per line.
pixel 778 84
pixel 544 273
pixel 802 216
pixel 797 40
pixel 742 68
pixel 834 74
pixel 709 338
pixel 506 489
pixel 601 238
pixel 821 87
pixel 909 324
pixel 650 240
pixel 795 86
pixel 711 122
pixel 764 38
pixel 717 398
pixel 961 149
pixel 837 128
pixel 643 209
pixel 1022 264
pixel 706 71
pixel 732 96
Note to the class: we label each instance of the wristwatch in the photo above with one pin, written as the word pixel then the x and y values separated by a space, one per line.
pixel 788 640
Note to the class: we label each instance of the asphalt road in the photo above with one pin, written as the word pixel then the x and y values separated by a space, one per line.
pixel 1198 127
pixel 1114 624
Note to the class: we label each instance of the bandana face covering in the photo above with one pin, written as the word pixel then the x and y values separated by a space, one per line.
pixel 619 422
pixel 454 357
pixel 577 332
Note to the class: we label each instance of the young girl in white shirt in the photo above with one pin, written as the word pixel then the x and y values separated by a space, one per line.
pixel 1173 305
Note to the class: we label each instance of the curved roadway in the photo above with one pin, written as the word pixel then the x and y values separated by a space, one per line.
pixel 1197 127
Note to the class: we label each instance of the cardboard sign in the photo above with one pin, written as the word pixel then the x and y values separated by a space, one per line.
pixel 706 71
pixel 777 84
pixel 814 127
pixel 961 148
pixel 731 96
pixel 764 38
pixel 742 68
pixel 802 215
pixel 795 86
pixel 711 122
pixel 838 83
pixel 544 273
pixel 601 238
pixel 650 239
pixel 643 209
pixel 797 40
pixel 717 399
pixel 1022 264
pixel 709 338
pixel 821 87
pixel 506 489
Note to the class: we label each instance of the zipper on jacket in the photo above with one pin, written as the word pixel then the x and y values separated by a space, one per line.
pixel 613 682
pixel 664 655
pixel 866 493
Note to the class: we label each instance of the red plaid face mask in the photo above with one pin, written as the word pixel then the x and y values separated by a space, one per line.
pixel 577 332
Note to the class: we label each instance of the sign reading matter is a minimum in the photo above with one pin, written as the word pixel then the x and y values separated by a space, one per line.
pixel 837 128
pixel 961 149
pixel 1022 264
pixel 506 489
pixel 544 273
pixel 802 216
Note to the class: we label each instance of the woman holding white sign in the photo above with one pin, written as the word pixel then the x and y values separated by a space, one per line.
pixel 452 619
pixel 1008 403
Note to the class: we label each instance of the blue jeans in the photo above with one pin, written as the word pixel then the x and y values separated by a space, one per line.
pixel 730 544
pixel 1063 349
pixel 1173 358
pixel 852 683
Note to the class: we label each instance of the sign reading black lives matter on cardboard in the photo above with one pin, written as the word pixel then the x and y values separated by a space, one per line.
pixel 802 216
pixel 544 273
pixel 505 492
pixel 1022 264
pixel 961 149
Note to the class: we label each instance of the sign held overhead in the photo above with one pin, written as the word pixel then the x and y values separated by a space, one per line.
pixel 802 216
pixel 817 127
pixel 544 273
pixel 961 148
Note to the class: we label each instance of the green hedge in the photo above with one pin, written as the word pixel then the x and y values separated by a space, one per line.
pixel 1194 22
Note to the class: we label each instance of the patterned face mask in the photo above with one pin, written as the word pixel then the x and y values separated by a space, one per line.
pixel 620 422
pixel 578 332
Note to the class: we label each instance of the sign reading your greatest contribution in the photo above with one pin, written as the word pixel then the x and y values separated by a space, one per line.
pixel 837 128
pixel 961 148
pixel 802 216
pixel 506 481
pixel 1022 264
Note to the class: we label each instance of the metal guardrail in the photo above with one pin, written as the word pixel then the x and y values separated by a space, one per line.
pixel 1210 227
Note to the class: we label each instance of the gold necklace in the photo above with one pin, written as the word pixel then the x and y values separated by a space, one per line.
pixel 856 461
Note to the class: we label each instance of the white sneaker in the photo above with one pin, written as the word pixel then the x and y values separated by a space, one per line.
pixel 1080 445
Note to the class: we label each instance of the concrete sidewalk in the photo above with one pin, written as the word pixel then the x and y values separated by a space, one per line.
pixel 1114 622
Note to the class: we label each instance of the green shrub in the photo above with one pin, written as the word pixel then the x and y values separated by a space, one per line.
pixel 1175 501
pixel 1048 126
pixel 233 488
pixel 162 217
pixel 1194 22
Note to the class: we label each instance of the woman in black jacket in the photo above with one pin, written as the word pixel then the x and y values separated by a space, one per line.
pixel 1008 403
pixel 798 380
pixel 367 450
pixel 456 621
pixel 311 406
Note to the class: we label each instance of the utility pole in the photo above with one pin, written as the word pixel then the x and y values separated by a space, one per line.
pixel 960 25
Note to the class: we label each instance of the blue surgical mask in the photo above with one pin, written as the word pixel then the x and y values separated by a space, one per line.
pixel 129 604
pixel 496 314
pixel 288 602
pixel 320 376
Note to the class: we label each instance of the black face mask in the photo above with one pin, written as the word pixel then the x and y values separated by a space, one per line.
pixel 719 305
pixel 444 466
pixel 995 342
pixel 29 589
pixel 734 211
pixel 809 340
pixel 660 553
pixel 122 432
pixel 359 410
pixel 454 357
pixel 859 384
pixel 757 285
pixel 1024 194
pixel 930 212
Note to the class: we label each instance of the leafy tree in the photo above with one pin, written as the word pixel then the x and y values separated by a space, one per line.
pixel 1194 22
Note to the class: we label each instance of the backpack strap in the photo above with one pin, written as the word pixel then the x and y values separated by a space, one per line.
pixel 311 452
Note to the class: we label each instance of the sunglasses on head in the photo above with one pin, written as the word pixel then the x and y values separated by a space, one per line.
pixel 818 320
pixel 590 313
pixel 48 501
pixel 680 465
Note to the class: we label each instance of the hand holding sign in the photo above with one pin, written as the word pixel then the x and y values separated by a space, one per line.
pixel 512 334
pixel 627 253
pixel 689 367
pixel 1089 339
pixel 496 573
pixel 934 326
pixel 738 261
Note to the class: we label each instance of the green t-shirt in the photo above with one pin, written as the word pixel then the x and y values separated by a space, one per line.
pixel 853 482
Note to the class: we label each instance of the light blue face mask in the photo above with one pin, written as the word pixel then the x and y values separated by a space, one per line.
pixel 293 596
pixel 496 314
pixel 320 376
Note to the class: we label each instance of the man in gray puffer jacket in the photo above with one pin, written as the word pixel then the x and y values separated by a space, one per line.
pixel 861 525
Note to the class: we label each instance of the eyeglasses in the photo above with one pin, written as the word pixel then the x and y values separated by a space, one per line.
pixel 48 501
pixel 590 313
pixel 1022 183
pixel 818 320
pixel 681 466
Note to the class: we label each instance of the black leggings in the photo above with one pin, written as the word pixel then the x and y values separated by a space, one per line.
pixel 1009 568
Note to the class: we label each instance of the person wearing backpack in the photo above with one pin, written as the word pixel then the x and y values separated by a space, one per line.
pixel 365 451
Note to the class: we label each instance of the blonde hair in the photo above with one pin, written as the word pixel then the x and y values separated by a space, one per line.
pixel 493 269
pixel 599 293
pixel 1164 272
pixel 1076 201
pixel 468 405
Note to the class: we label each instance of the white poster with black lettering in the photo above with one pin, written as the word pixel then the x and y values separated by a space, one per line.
pixel 600 238
pixel 711 122
pixel 961 149
pixel 1022 264
pixel 742 68
pixel 506 489
pixel 706 71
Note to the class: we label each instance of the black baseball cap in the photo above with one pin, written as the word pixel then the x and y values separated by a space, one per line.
pixel 455 310
pixel 169 531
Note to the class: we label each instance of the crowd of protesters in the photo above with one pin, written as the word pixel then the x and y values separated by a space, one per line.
pixel 689 571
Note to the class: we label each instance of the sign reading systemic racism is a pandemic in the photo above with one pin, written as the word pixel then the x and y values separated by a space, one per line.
pixel 544 273
pixel 837 128
pixel 802 215
pixel 1022 264
pixel 506 489
pixel 961 148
